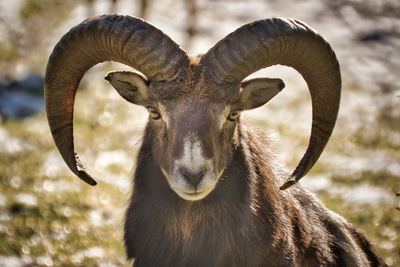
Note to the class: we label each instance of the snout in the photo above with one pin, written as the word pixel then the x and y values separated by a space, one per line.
pixel 192 177
pixel 193 183
pixel 192 173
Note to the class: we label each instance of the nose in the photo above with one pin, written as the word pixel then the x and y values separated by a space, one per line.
pixel 192 177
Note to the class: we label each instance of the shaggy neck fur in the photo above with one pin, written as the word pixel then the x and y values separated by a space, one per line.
pixel 245 221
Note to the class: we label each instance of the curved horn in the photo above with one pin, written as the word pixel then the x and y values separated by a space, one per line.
pixel 292 43
pixel 124 39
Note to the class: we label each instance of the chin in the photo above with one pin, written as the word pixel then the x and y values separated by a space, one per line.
pixel 191 194
pixel 195 196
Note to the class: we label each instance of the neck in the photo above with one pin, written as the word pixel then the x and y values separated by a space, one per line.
pixel 211 224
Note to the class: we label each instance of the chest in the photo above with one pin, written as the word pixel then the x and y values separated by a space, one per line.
pixel 190 236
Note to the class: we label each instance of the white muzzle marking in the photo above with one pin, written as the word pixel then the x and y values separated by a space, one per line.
pixel 193 160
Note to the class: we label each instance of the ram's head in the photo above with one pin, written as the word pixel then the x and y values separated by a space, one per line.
pixel 194 103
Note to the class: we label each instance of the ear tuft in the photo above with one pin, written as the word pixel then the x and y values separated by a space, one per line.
pixel 281 84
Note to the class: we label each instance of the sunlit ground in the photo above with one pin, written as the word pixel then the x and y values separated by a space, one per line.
pixel 48 217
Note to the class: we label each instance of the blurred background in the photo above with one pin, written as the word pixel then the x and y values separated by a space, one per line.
pixel 48 217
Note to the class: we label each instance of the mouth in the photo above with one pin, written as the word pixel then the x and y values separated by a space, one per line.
pixel 191 195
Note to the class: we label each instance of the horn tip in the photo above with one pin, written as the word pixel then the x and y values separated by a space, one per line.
pixel 86 178
pixel 290 182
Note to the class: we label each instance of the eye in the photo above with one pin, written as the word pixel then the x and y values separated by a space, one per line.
pixel 154 113
pixel 234 114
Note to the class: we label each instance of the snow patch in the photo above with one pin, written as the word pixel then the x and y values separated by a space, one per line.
pixel 364 195
pixel 27 199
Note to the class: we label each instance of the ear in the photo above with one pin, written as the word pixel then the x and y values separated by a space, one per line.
pixel 130 85
pixel 256 92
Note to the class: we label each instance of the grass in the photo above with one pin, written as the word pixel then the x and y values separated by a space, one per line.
pixel 41 220
pixel 48 217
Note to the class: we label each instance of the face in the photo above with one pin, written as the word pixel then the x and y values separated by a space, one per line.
pixel 193 142
pixel 193 126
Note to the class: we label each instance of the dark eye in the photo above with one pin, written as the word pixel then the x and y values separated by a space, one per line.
pixel 155 115
pixel 234 114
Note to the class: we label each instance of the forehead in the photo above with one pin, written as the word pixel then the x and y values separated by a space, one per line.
pixel 191 114
pixel 192 108
pixel 193 87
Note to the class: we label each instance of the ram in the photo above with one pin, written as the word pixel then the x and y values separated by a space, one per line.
pixel 207 191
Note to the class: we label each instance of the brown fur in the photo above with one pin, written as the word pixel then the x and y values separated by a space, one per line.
pixel 245 221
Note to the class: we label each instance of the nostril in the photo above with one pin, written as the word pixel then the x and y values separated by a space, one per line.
pixel 192 177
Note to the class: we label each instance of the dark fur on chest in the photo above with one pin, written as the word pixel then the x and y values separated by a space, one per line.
pixel 245 221
pixel 164 230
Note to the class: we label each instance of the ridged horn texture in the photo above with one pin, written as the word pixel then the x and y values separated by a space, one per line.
pixel 292 43
pixel 123 39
